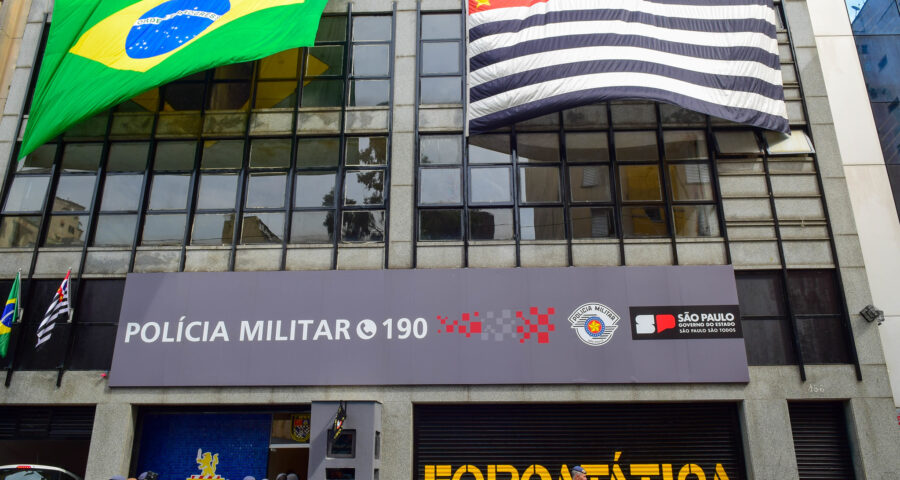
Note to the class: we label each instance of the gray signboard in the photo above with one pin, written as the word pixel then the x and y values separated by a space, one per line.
pixel 424 327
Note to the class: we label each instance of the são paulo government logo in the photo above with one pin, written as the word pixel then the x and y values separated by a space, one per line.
pixel 594 323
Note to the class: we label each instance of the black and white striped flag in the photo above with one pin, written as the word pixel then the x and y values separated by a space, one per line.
pixel 532 57
pixel 58 308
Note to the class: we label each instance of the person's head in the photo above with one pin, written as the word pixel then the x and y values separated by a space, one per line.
pixel 281 476
pixel 249 477
pixel 578 473
pixel 292 476
pixel 117 477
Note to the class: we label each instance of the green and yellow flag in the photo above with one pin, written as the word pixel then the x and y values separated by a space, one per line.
pixel 103 52
pixel 10 315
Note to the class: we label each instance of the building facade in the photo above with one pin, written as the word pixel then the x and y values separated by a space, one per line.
pixel 338 177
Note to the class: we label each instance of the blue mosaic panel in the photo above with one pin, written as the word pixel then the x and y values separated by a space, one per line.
pixel 169 444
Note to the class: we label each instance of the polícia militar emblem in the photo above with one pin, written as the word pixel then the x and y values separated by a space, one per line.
pixel 594 323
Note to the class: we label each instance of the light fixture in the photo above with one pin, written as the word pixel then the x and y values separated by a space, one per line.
pixel 871 314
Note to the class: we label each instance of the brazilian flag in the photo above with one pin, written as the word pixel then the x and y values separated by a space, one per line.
pixel 10 315
pixel 103 52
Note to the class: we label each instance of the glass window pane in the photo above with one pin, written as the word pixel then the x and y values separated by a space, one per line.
pixel 370 93
pixel 312 227
pixel 436 90
pixel 266 190
pixel 440 149
pixel 636 147
pixel 542 224
pixel 115 230
pixel 439 186
pixel 222 154
pixel 371 60
pixel 590 183
pixel 737 142
pixel 26 194
pixel 19 231
pixel 364 187
pixel 685 145
pixel 440 225
pixel 441 25
pixel 768 341
pixel 270 153
pixel 169 192
pixel 371 29
pixel 690 181
pixel 65 230
pixel 490 185
pixel 537 147
pixel 182 96
pixel 695 221
pixel 366 151
pixel 633 114
pixel 82 157
pixel 491 224
pixel 121 193
pixel 363 226
pixel 332 28
pixel 539 184
pixel 813 292
pixel 441 58
pixel 276 94
pixel 213 229
pixel 318 152
pixel 279 65
pixel 322 93
pixel 325 60
pixel 229 96
pixel 587 117
pixel 549 121
pixel 590 222
pixel 217 191
pixel 489 149
pixel 314 189
pixel 587 147
pixel 796 142
pixel 671 115
pixel 163 229
pixel 262 228
pixel 760 293
pixel 128 157
pixel 822 340
pixel 639 182
pixel 644 222
pixel 175 156
pixel 40 160
pixel 234 71
pixel 74 193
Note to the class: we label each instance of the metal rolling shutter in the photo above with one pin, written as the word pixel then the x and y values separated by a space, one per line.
pixel 61 423
pixel 552 435
pixel 820 440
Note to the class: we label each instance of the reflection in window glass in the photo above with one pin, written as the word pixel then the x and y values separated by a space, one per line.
pixel 440 225
pixel 369 93
pixel 314 189
pixel 182 96
pixel 639 182
pixel 213 229
pixel 644 222
pixel 163 230
pixel 490 185
pixel 538 184
pixel 222 154
pixel 695 220
pixel 281 94
pixel 587 117
pixel 265 190
pixel 685 145
pixel 364 187
pixel 592 222
pixel 441 26
pixel 636 147
pixel 26 194
pixel 737 142
pixel 332 28
pixel 537 147
pixel 438 58
pixel 436 90
pixel 73 193
pixel 127 157
pixel 439 186
pixel 590 183
pixel 270 153
pixel 363 226
pixel 587 147
pixel 66 230
pixel 542 224
pixel 262 228
pixel 325 60
pixel 371 60
pixel 228 96
pixel 371 29
pixel 312 227
pixel 690 181
pixel 82 157
pixel 281 65
pixel 40 160
pixel 121 193
pixel 366 151
pixel 169 192
pixel 115 230
pixel 489 149
pixel 19 231
pixel 318 152
pixel 491 224
pixel 174 156
pixel 796 142
pixel 440 149
pixel 323 92
pixel 217 191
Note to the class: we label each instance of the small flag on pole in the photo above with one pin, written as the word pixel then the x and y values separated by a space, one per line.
pixel 59 307
pixel 10 315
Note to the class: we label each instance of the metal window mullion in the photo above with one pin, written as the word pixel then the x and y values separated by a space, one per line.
pixel 386 187
pixel 191 201
pixel 717 191
pixel 616 194
pixel 292 165
pixel 416 136
pixel 514 184
pixel 668 197
pixel 342 148
pixel 143 205
pixel 565 194
pixel 465 178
